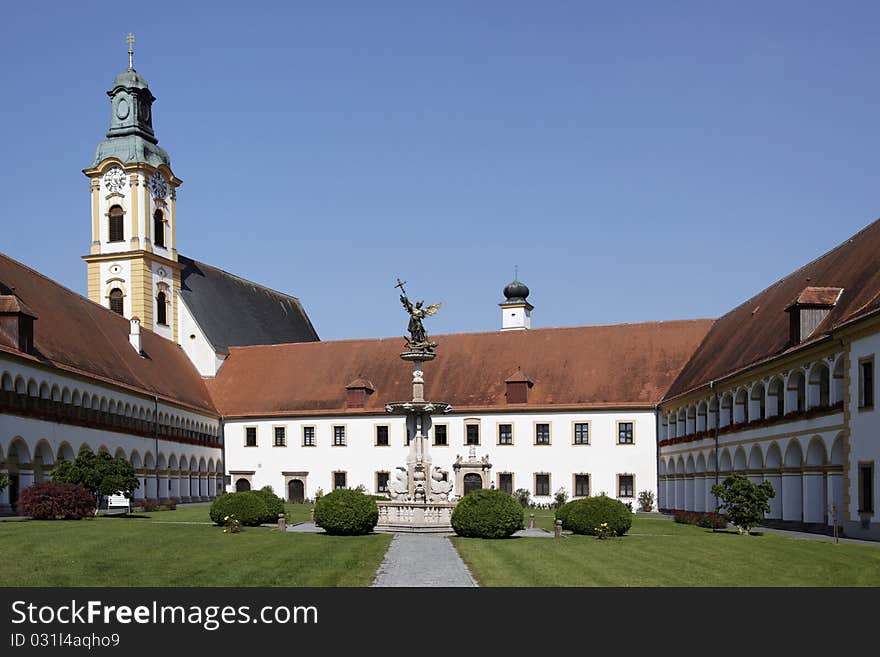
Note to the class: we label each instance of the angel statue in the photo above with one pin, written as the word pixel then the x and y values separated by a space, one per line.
pixel 418 340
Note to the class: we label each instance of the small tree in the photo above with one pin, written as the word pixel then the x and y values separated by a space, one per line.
pixel 646 500
pixel 100 474
pixel 523 496
pixel 743 502
pixel 4 481
pixel 560 498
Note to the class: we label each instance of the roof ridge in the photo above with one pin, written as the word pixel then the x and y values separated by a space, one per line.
pixel 240 278
pixel 469 333
pixel 788 276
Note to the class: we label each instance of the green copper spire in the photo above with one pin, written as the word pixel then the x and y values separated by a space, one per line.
pixel 131 137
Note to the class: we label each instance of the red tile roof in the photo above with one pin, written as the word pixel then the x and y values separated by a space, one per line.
pixel 758 329
pixel 79 336
pixel 627 365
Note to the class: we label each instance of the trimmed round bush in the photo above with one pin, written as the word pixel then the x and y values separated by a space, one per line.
pixel 55 500
pixel 248 507
pixel 562 514
pixel 346 512
pixel 274 504
pixel 586 514
pixel 485 513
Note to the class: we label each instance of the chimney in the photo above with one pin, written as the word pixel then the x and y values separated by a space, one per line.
pixel 16 323
pixel 135 335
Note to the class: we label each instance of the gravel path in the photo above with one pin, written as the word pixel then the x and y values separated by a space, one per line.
pixel 422 560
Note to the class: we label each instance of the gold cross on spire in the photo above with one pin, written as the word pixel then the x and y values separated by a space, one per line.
pixel 130 40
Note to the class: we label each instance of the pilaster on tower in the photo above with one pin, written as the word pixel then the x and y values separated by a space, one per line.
pixel 132 261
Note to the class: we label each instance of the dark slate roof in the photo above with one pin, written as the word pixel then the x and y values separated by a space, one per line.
pixel 233 311
pixel 76 335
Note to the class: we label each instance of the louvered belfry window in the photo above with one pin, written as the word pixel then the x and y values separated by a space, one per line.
pixel 158 228
pixel 117 233
pixel 116 300
pixel 161 309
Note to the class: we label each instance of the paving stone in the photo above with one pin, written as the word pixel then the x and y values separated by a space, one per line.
pixel 422 560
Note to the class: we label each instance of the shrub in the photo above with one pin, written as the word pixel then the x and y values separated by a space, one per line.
pixel 560 498
pixel 346 512
pixel 646 500
pixel 53 500
pixel 150 505
pixel 487 513
pixel 523 496
pixel 248 506
pixel 562 514
pixel 744 503
pixel 274 504
pixel 100 474
pixel 586 514
pixel 712 520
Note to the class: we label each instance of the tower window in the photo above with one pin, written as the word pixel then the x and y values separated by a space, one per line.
pixel 116 300
pixel 116 232
pixel 161 309
pixel 158 228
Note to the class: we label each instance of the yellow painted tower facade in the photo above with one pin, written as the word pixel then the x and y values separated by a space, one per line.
pixel 132 262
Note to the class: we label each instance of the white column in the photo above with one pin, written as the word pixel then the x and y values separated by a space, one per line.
pixel 834 481
pixel 700 493
pixel 25 479
pixel 164 492
pixel 5 507
pixel 689 493
pixel 814 497
pixel 175 485
pixel 792 496
pixel 775 503
pixel 151 488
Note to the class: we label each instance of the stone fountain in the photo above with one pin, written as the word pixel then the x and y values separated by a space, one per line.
pixel 420 492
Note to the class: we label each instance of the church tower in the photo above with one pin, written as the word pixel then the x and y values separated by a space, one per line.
pixel 516 311
pixel 132 263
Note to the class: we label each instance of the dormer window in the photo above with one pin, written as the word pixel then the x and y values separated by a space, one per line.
pixel 116 232
pixel 357 392
pixel 517 387
pixel 158 228
pixel 809 310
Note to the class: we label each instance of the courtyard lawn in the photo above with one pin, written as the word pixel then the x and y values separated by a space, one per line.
pixel 659 552
pixel 136 551
pixel 296 513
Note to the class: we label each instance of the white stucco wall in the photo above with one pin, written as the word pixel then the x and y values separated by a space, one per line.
pixel 194 342
pixel 603 459
pixel 864 426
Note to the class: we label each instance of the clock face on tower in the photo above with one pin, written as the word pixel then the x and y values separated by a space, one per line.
pixel 114 180
pixel 157 185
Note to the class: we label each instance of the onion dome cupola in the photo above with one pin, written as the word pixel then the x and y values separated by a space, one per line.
pixel 131 137
pixel 132 262
pixel 516 311
pixel 516 292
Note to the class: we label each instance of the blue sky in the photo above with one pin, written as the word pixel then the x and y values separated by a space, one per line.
pixel 638 161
